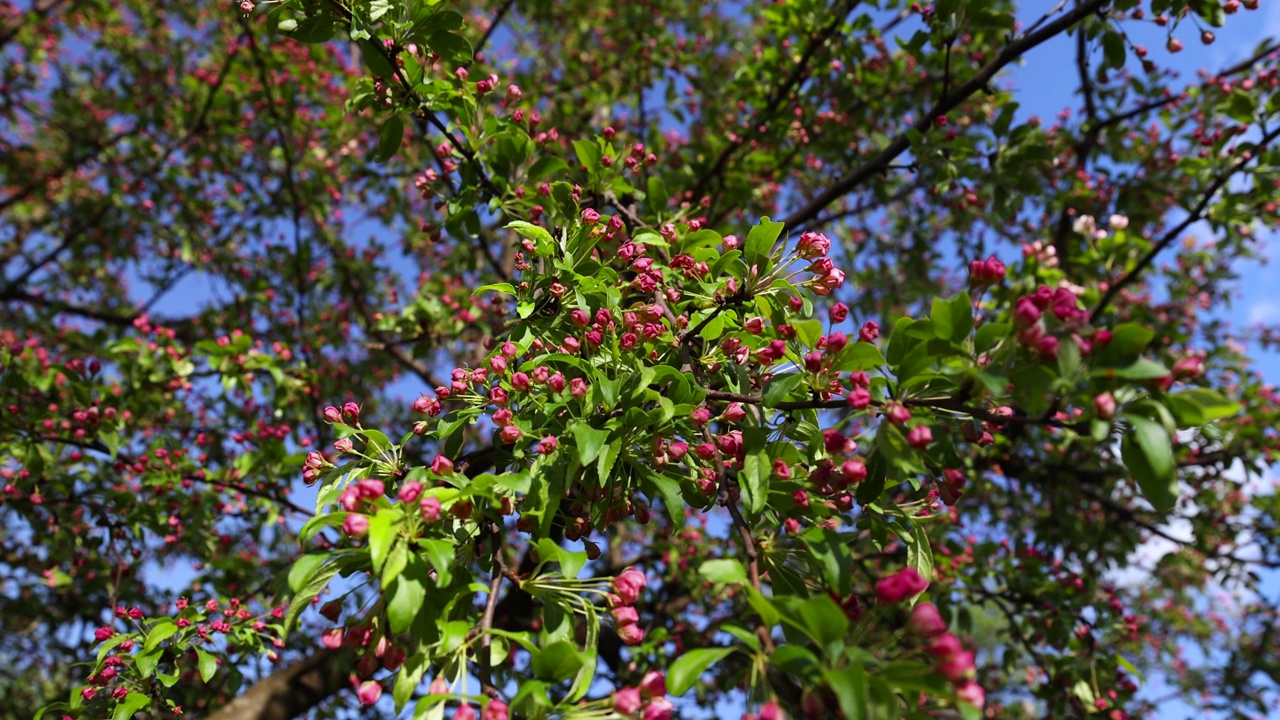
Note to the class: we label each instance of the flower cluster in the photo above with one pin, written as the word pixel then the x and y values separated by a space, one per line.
pixel 626 591
pixel 647 700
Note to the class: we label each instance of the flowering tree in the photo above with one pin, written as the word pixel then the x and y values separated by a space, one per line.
pixel 598 360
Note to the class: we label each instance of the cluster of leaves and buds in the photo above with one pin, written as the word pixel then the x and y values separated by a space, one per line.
pixel 767 356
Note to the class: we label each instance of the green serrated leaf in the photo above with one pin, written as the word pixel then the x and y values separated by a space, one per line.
pixel 1148 453
pixel 207 663
pixel 590 441
pixel 389 138
pixel 687 668
pixel 723 570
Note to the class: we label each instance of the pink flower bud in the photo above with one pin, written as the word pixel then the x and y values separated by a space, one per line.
pixel 442 465
pixel 734 412
pixel 631 634
pixel 1047 347
pixel 972 693
pixel 628 585
pixel 627 701
pixel 430 507
pixel 1104 404
pixel 590 217
pixel 1188 368
pixel 369 692
pixel 944 647
pixel 625 615
pixel 859 398
pixel 410 491
pixel 510 434
pixel 356 524
pixel 919 437
pixel 332 414
pixel 926 621
pixel 700 416
pixel 658 709
pixel 653 684
pixel 352 411
pixel 1025 313
pixel 869 331
pixel 577 387
pixel 771 711
pixel 495 710
pixel 958 667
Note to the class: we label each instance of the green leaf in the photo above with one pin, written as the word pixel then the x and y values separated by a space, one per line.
pixel 1113 50
pixel 384 527
pixel 408 679
pixel 1212 404
pixel 794 659
pixel 146 662
pixel 544 244
pixel 389 138
pixel 302 598
pixel 161 631
pixel 850 686
pixel 405 600
pixel 588 153
pixel 920 552
pixel 442 554
pixel 1148 453
pixel 754 478
pixel 131 703
pixel 953 317
pixel 1127 343
pixel 657 196
pixel 316 29
pixel 824 621
pixel 547 166
pixel 496 287
pixel 304 568
pixel 687 668
pixel 779 387
pixel 808 332
pixel 376 60
pixel 988 335
pixel 669 490
pixel 589 441
pixel 451 47
pixel 858 356
pixel 723 570
pixel 208 664
pixel 1141 369
pixel 760 241
pixel 557 661
pixel 570 562
pixel 831 550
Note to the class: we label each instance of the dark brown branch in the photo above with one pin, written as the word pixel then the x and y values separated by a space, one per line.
pixel 902 143
pixel 1195 215
pixel 773 104
pixel 291 692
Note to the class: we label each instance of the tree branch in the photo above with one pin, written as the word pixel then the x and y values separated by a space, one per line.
pixel 902 143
